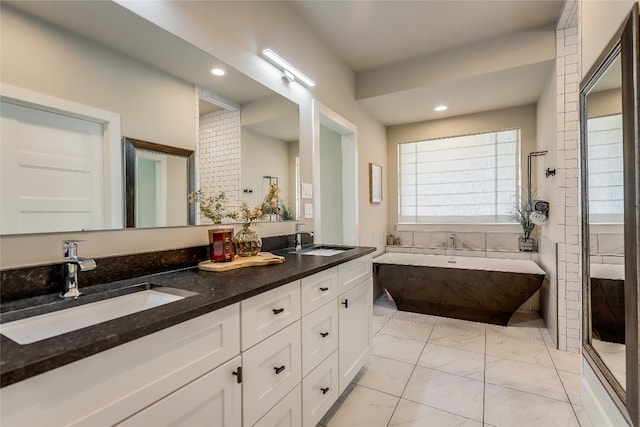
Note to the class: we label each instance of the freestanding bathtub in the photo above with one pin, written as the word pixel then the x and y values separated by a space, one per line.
pixel 480 289
pixel 607 302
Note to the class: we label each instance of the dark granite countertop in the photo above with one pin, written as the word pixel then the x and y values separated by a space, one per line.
pixel 214 290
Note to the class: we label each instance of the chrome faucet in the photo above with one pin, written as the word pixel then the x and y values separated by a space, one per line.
pixel 452 241
pixel 73 264
pixel 298 239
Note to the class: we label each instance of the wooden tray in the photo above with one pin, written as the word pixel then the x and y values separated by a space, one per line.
pixel 263 258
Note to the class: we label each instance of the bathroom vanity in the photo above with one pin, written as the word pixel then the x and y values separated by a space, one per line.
pixel 253 346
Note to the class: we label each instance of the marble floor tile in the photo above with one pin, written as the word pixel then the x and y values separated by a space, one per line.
pixel 571 383
pixel 415 317
pixel 377 323
pixel 383 311
pixel 402 328
pixel 411 414
pixel 397 348
pixel 523 351
pixel 508 407
pixel 565 361
pixel 521 332
pixel 458 338
pixel 361 406
pixel 385 375
pixel 525 377
pixel 447 392
pixel 465 325
pixel 583 417
pixel 453 361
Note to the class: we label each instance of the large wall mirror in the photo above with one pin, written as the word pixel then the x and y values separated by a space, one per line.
pixel 609 138
pixel 126 77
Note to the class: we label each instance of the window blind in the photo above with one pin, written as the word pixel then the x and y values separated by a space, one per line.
pixel 605 169
pixel 462 179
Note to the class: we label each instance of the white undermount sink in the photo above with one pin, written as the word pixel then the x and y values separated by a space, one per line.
pixel 43 326
pixel 324 252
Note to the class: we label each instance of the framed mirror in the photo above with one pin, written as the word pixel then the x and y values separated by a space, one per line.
pixel 147 82
pixel 158 179
pixel 610 191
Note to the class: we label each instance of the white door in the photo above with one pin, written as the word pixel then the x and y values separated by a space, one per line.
pixel 52 169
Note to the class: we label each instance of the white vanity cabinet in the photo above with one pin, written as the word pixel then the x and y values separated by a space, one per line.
pixel 355 311
pixel 271 369
pixel 280 358
pixel 112 386
pixel 214 399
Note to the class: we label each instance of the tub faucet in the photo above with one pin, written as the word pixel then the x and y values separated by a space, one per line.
pixel 452 241
pixel 73 264
pixel 298 239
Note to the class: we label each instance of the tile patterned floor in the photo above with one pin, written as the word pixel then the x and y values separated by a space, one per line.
pixel 433 371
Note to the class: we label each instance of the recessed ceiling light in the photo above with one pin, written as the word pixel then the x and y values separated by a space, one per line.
pixel 217 72
pixel 441 108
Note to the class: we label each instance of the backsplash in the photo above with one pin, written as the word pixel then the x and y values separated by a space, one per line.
pixel 606 248
pixel 478 244
pixel 33 281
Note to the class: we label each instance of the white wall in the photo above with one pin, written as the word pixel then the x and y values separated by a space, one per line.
pixel 331 185
pixel 63 65
pixel 262 156
pixel 599 21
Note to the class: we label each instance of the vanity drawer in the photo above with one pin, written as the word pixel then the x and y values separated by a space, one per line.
pixel 319 336
pixel 320 390
pixel 287 413
pixel 265 314
pixel 270 370
pixel 319 289
pixel 352 273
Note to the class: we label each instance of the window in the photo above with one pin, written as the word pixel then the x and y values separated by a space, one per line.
pixel 605 166
pixel 463 179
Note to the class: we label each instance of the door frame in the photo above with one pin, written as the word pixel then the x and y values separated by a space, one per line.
pixel 324 116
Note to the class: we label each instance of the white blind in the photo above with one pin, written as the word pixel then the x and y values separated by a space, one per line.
pixel 605 169
pixel 471 178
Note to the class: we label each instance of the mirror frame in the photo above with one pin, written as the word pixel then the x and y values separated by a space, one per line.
pixel 129 146
pixel 626 43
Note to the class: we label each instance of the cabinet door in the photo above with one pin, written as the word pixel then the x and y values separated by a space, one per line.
pixel 318 289
pixel 320 390
pixel 352 273
pixel 265 314
pixel 112 385
pixel 354 315
pixel 287 413
pixel 213 399
pixel 270 370
pixel 319 336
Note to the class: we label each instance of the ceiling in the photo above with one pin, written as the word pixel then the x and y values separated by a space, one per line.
pixel 410 56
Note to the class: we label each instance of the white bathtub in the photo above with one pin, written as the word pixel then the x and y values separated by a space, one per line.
pixel 486 290
pixel 461 262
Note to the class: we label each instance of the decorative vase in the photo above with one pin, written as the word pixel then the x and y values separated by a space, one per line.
pixel 247 242
pixel 525 245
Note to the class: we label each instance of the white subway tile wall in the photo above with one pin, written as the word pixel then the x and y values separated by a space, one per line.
pixel 220 155
pixel 568 234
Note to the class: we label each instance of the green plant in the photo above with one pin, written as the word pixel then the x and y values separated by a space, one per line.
pixel 520 214
pixel 248 216
pixel 287 215
pixel 272 201
pixel 213 207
